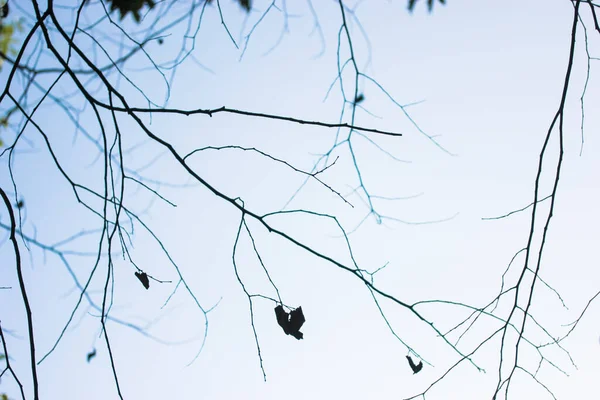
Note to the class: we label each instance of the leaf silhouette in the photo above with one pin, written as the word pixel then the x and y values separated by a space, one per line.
pixel 411 4
pixel 292 322
pixel 91 355
pixel 128 6
pixel 246 4
pixel 415 367
pixel 143 278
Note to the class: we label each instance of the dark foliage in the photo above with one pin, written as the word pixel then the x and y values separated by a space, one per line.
pixel 415 367
pixel 143 278
pixel 130 6
pixel 411 4
pixel 91 355
pixel 292 322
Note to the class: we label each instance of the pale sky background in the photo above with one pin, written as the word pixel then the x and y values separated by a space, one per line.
pixel 489 77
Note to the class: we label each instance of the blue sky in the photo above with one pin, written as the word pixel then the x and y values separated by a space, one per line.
pixel 487 78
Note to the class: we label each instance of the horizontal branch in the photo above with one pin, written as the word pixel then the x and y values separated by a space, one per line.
pixel 224 109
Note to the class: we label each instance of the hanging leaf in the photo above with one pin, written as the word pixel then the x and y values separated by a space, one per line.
pixel 143 278
pixel 415 367
pixel 91 355
pixel 411 4
pixel 292 322
pixel 246 4
pixel 130 6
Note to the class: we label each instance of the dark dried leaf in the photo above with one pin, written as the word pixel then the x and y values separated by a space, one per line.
pixel 246 4
pixel 143 278
pixel 4 10
pixel 91 355
pixel 130 6
pixel 292 322
pixel 411 4
pixel 415 367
